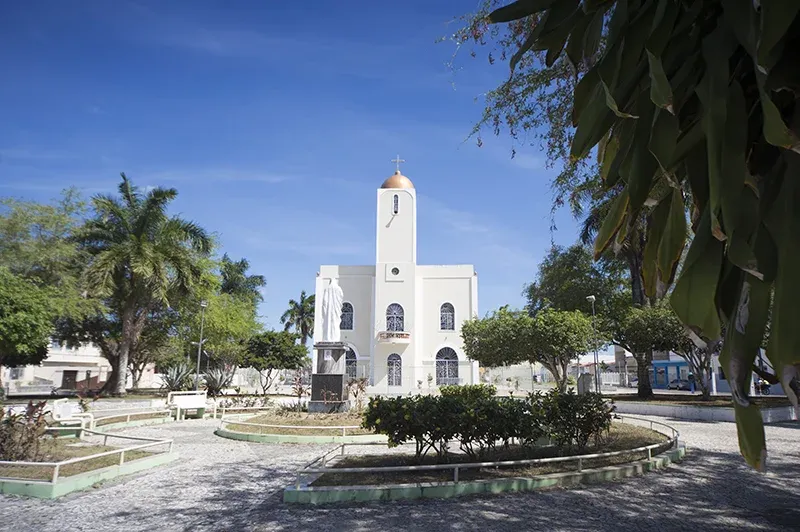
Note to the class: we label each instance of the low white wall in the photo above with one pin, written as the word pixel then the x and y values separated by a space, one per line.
pixel 703 413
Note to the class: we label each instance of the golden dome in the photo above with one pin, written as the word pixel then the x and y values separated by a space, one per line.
pixel 397 180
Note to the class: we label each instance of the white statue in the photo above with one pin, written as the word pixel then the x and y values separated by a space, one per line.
pixel 332 299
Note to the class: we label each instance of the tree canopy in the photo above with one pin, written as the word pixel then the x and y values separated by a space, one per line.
pixel 26 320
pixel 272 351
pixel 300 316
pixel 552 338
pixel 567 276
pixel 140 259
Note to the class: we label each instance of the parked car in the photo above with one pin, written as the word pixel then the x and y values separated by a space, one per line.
pixel 679 384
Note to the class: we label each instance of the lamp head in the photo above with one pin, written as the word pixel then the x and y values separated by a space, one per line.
pixel 204 303
pixel 590 299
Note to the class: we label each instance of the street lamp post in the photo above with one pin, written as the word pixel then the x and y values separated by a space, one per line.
pixel 203 305
pixel 596 361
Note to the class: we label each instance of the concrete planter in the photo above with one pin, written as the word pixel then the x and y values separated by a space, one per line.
pixel 297 438
pixel 349 494
pixel 702 413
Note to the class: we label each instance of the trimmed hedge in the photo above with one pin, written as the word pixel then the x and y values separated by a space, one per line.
pixel 479 421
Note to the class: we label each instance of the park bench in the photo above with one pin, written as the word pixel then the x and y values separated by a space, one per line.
pixel 66 413
pixel 182 402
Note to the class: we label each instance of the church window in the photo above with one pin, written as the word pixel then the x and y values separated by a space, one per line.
pixel 394 318
pixel 350 364
pixel 447 317
pixel 447 367
pixel 346 323
pixel 394 370
pixel 396 204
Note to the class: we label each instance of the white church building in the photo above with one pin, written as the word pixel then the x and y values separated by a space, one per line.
pixel 401 321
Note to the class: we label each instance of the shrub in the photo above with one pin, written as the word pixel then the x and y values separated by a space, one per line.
pixel 572 420
pixel 479 421
pixel 469 392
pixel 21 434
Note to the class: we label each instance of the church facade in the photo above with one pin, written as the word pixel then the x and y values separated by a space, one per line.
pixel 401 321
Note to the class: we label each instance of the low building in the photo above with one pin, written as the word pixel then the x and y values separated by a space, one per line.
pixel 70 369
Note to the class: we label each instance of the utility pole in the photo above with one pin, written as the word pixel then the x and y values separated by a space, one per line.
pixel 203 305
pixel 596 358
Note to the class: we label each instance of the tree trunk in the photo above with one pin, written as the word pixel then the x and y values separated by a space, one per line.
pixel 637 286
pixel 644 389
pixel 136 374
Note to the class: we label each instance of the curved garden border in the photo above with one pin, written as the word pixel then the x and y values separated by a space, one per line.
pixel 58 485
pixel 233 419
pixel 660 455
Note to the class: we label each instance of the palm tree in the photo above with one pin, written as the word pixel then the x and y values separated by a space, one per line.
pixel 139 258
pixel 236 282
pixel 300 316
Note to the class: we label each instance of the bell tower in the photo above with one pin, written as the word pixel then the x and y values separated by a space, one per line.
pixel 396 237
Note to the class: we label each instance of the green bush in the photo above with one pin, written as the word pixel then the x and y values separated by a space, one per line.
pixel 479 421
pixel 21 434
pixel 572 420
pixel 469 392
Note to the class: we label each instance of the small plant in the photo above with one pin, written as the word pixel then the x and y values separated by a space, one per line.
pixel 430 380
pixel 177 378
pixel 419 385
pixel 299 389
pixel 516 384
pixel 217 379
pixel 21 434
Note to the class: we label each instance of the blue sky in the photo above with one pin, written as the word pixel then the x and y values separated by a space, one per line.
pixel 276 122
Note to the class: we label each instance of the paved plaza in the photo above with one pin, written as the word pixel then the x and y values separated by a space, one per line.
pixel 219 484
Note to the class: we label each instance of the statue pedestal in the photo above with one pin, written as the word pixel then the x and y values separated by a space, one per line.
pixel 329 382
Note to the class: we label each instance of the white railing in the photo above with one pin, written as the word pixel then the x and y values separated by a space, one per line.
pixel 127 416
pixel 223 422
pixel 58 466
pixel 308 469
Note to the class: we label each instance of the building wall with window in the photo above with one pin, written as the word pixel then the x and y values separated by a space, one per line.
pixel 406 326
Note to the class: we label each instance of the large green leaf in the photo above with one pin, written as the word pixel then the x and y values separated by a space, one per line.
pixel 575 45
pixel 673 239
pixel 712 91
pixel 776 17
pixel 657 222
pixel 775 130
pixel 664 139
pixel 693 298
pixel 611 223
pixel 734 150
pixel 660 90
pixel 743 20
pixel 750 433
pixel 584 91
pixel 623 132
pixel 519 9
pixel 591 40
pixel 743 338
pixel 784 225
pixel 595 121
pixel 643 165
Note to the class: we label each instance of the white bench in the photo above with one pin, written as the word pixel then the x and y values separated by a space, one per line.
pixel 66 413
pixel 183 401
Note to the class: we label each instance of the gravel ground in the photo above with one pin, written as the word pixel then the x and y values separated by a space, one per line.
pixel 222 484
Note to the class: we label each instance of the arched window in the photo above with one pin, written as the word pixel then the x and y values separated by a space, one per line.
pixel 395 204
pixel 394 370
pixel 446 367
pixel 394 318
pixel 350 363
pixel 447 317
pixel 347 317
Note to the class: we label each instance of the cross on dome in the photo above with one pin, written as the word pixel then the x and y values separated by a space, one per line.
pixel 397 161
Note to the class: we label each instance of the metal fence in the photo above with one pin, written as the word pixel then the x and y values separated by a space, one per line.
pixel 58 466
pixel 339 451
